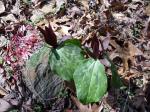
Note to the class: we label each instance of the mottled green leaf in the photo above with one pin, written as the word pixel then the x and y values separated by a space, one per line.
pixel 73 42
pixel 90 81
pixel 65 64
pixel 116 80
pixel 39 78
pixel 36 57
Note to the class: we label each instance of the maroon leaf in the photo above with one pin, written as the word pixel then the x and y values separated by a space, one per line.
pixel 49 36
pixel 95 46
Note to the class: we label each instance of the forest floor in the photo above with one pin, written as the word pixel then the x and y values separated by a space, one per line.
pixel 123 25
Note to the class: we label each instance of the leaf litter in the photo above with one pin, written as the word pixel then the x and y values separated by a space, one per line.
pixel 122 27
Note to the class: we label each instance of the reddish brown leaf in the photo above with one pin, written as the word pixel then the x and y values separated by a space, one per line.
pixel 95 46
pixel 49 36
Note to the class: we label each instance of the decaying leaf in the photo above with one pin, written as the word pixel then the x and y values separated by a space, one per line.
pixel 127 52
pixel 86 108
pixel 39 78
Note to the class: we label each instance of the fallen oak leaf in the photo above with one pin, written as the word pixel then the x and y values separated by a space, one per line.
pixel 81 107
pixel 127 52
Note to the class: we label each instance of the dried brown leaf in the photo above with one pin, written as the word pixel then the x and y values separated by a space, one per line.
pixel 86 108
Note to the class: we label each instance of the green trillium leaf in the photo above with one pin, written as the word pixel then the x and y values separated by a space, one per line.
pixel 36 57
pixel 116 80
pixel 75 42
pixel 90 81
pixel 65 60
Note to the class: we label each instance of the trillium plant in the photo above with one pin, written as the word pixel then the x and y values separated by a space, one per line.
pixel 76 62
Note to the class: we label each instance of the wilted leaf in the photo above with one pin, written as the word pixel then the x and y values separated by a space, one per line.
pixel 39 78
pixel 90 81
pixel 86 108
pixel 36 57
pixel 81 107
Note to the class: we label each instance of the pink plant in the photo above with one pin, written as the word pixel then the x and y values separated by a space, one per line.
pixel 21 46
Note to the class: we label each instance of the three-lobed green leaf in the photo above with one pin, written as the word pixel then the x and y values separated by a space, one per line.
pixel 90 81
